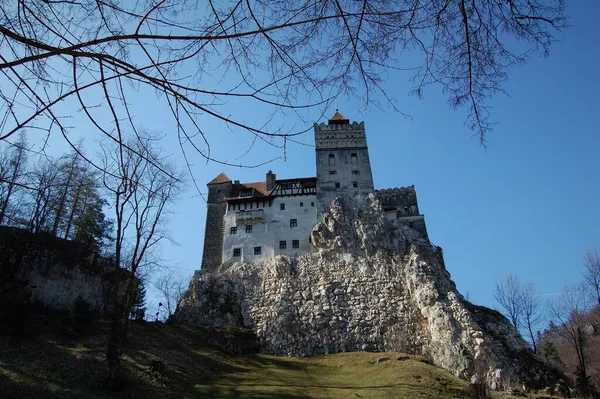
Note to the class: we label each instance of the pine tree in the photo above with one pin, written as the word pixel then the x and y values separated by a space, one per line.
pixel 138 301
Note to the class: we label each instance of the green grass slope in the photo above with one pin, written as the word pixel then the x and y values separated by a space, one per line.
pixel 162 361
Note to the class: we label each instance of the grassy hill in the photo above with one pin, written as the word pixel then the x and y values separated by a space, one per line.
pixel 162 361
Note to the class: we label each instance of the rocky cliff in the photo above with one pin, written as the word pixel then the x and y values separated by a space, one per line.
pixel 368 287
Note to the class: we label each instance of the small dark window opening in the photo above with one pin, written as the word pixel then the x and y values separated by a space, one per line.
pixel 248 228
pixel 282 206
pixel 295 244
pixel 356 172
pixel 353 158
pixel 233 230
pixel 331 160
pixel 333 172
pixel 237 252
pixel 246 193
pixel 282 244
pixel 293 222
pixel 312 204
pixel 302 204
pixel 411 224
pixel 257 250
pixel 337 185
pixel 354 184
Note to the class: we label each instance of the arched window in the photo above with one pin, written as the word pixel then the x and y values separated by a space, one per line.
pixel 353 158
pixel 332 160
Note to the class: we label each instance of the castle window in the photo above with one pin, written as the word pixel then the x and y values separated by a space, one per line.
pixel 353 158
pixel 333 172
pixel 337 185
pixel 312 204
pixel 257 250
pixel 354 184
pixel 233 230
pixel 302 204
pixel 356 172
pixel 411 225
pixel 282 244
pixel 248 228
pixel 293 222
pixel 331 160
pixel 282 206
pixel 295 244
pixel 237 252
pixel 246 193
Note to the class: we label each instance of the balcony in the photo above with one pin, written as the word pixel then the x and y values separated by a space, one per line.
pixel 249 217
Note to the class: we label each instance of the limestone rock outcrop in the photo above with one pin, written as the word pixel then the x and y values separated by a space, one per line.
pixel 369 287
pixel 52 271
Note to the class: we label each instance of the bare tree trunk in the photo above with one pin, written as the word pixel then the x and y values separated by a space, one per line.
pixel 115 340
pixel 532 337
pixel 70 171
pixel 5 203
pixel 73 211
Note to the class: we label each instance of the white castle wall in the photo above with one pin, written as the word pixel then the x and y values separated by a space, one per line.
pixel 274 228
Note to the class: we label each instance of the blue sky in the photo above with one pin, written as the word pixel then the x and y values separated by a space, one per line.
pixel 528 204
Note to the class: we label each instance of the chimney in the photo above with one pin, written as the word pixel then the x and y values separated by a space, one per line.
pixel 236 182
pixel 270 180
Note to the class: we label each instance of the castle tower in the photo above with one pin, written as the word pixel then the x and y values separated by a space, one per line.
pixel 219 189
pixel 342 156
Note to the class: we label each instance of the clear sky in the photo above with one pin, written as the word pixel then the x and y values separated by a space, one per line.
pixel 528 204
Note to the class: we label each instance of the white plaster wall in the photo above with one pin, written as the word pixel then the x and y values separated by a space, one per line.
pixel 274 228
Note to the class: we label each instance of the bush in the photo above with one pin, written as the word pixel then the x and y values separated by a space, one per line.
pixel 80 316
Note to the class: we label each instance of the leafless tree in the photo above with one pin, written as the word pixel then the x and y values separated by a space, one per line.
pixel 532 312
pixel 13 176
pixel 508 295
pixel 591 273
pixel 43 196
pixel 568 313
pixel 213 59
pixel 171 286
pixel 69 171
pixel 521 304
pixel 141 186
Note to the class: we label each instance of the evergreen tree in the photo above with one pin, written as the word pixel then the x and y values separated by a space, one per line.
pixel 138 301
pixel 90 225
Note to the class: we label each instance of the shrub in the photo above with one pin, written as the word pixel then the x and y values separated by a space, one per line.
pixel 80 316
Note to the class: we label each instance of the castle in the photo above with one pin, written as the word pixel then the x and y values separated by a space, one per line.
pixel 248 222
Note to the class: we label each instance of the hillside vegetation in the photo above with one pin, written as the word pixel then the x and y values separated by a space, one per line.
pixel 163 361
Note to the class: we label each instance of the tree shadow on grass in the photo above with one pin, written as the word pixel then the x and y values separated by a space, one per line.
pixel 43 368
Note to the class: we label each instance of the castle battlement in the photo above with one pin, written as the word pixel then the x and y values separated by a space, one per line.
pixel 329 127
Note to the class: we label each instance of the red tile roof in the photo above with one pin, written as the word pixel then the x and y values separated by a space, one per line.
pixel 338 117
pixel 222 178
pixel 259 190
